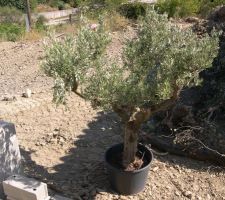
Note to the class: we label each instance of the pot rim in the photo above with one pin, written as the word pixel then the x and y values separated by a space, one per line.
pixel 129 172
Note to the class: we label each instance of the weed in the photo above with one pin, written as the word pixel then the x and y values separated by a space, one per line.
pixel 11 32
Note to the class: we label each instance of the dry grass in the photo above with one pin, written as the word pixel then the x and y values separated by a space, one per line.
pixel 32 36
pixel 115 22
pixel 66 28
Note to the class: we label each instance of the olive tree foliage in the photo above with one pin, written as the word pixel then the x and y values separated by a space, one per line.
pixel 157 64
pixel 69 60
pixel 161 58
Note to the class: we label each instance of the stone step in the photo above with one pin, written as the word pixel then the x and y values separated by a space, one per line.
pixel 18 187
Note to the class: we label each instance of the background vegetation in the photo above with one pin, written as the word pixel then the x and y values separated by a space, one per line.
pixel 118 13
pixel 180 8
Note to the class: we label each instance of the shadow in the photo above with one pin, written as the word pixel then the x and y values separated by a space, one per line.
pixel 207 110
pixel 82 173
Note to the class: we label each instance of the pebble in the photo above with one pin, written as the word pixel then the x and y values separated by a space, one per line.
pixel 13 98
pixel 155 169
pixel 27 93
pixel 188 194
pixel 177 193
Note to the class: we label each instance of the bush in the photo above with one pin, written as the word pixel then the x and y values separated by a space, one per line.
pixel 115 22
pixel 178 8
pixel 157 64
pixel 42 1
pixel 19 4
pixel 40 23
pixel 58 4
pixel 11 32
pixel 133 10
pixel 6 15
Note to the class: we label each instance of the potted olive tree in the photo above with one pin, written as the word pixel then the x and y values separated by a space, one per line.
pixel 157 64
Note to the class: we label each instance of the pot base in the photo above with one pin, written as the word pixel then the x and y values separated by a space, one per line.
pixel 127 182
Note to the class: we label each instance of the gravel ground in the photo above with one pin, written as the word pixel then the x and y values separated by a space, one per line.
pixel 64 146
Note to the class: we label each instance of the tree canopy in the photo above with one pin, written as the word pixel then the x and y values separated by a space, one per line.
pixel 160 61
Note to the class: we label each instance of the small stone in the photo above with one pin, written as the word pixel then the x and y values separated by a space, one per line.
pixel 61 140
pixel 155 169
pixel 27 93
pixel 177 193
pixel 188 194
pixel 13 98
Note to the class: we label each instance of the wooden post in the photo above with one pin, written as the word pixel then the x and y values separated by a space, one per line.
pixel 70 19
pixel 29 14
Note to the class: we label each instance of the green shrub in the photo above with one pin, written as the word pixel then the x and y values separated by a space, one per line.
pixel 40 23
pixel 11 32
pixel 178 8
pixel 58 4
pixel 42 1
pixel 70 58
pixel 61 5
pixel 20 4
pixel 133 10
pixel 6 15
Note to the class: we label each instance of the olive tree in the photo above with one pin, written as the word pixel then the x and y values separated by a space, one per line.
pixel 157 64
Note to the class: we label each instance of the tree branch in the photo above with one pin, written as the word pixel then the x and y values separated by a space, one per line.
pixel 169 102
pixel 123 111
pixel 74 89
pixel 137 116
pixel 143 114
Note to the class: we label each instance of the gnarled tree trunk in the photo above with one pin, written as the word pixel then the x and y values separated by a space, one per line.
pixel 130 144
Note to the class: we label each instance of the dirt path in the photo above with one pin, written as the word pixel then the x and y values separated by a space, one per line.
pixel 65 146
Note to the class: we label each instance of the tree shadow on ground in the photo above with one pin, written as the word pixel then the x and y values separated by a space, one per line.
pixel 82 173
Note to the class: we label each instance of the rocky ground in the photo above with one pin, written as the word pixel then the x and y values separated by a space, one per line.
pixel 64 146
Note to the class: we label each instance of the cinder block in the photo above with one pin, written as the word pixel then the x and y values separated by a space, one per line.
pixel 10 159
pixel 18 187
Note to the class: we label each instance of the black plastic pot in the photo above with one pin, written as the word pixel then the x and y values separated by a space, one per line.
pixel 128 182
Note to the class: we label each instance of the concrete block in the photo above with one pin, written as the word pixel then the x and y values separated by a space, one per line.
pixel 18 187
pixel 10 159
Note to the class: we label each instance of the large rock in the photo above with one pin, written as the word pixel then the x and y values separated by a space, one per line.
pixel 10 159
